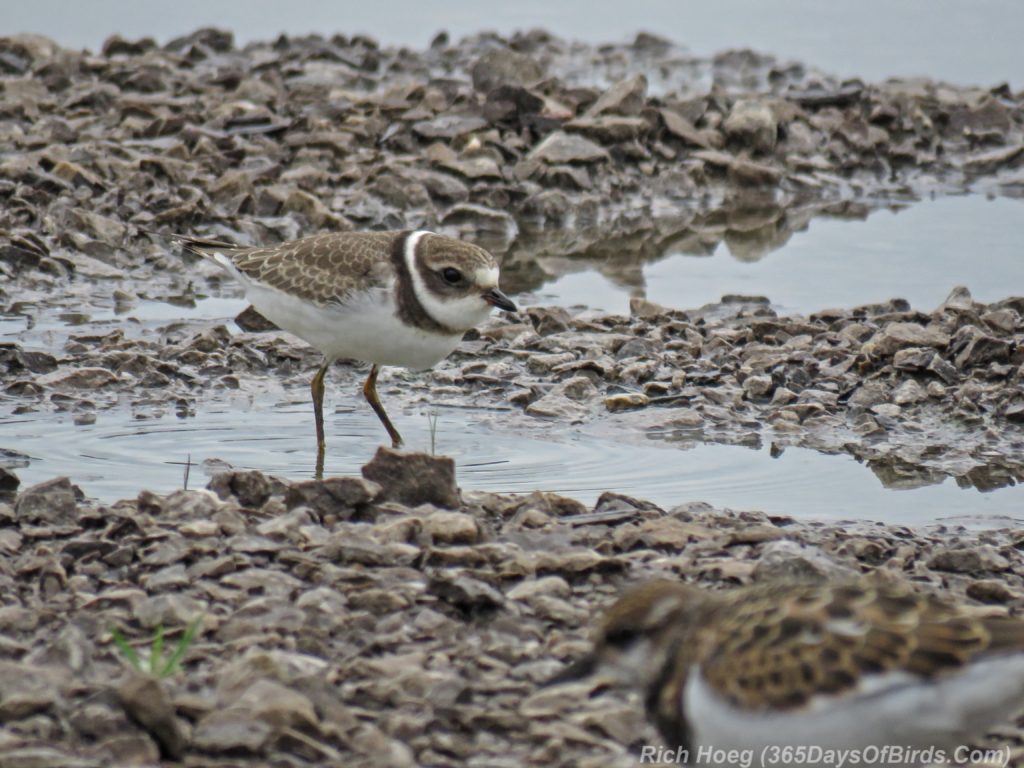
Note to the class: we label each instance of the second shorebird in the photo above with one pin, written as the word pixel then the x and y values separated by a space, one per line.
pixel 386 298
pixel 799 674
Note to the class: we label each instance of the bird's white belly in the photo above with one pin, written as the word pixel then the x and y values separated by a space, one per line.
pixel 896 709
pixel 365 328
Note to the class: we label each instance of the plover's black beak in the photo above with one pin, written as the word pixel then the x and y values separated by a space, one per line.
pixel 579 669
pixel 496 298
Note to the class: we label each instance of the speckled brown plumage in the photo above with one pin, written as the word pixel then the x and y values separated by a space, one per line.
pixel 320 269
pixel 778 645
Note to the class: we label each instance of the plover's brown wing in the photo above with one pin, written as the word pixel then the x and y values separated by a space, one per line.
pixel 780 646
pixel 320 269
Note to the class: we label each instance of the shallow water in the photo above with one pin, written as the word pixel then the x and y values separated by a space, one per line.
pixel 918 253
pixel 117 456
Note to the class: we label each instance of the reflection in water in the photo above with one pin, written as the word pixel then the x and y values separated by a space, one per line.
pixel 804 258
pixel 749 227
pixel 118 455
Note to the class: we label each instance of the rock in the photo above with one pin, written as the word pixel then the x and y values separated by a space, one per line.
pixel 752 123
pixel 311 207
pixel 278 706
pixel 681 128
pixel 45 757
pixel 78 378
pixel 443 186
pixel 480 219
pixel 609 129
pixel 959 299
pixel 578 388
pixel 913 358
pixel 908 393
pixel 168 610
pixel 511 102
pixel 792 560
pixel 971 560
pixel 647 310
pixel 216 40
pixel 758 386
pixel 1015 413
pixel 413 478
pixel 146 702
pixel 25 690
pixel 451 528
pixel 23 51
pixel 973 347
pixel 448 127
pixel 1002 320
pixel 988 162
pixel 9 482
pixel 182 504
pixel 251 488
pixel 626 97
pixel 343 497
pixel 469 595
pixel 554 405
pixel 626 401
pixel 894 336
pixel 547 586
pixel 560 147
pixel 990 591
pixel 130 749
pixel 479 167
pixel 549 320
pixel 15 359
pixel 740 171
pixel 232 731
pixel 115 45
pixel 52 502
pixel 502 66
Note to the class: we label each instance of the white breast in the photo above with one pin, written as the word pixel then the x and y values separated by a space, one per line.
pixel 890 709
pixel 366 328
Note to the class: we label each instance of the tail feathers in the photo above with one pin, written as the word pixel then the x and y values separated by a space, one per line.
pixel 196 245
pixel 203 247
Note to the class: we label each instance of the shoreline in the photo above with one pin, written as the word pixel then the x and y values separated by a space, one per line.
pixel 392 621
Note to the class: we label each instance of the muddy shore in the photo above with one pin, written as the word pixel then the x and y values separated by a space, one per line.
pixel 377 621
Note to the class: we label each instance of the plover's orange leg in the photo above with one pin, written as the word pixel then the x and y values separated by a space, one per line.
pixel 370 393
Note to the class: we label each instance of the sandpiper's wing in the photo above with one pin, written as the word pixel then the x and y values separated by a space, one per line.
pixel 321 269
pixel 781 645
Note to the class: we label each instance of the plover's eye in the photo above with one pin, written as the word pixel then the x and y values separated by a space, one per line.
pixel 620 637
pixel 451 275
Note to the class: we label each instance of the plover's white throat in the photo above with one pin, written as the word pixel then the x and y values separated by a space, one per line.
pixel 386 298
pixel 847 666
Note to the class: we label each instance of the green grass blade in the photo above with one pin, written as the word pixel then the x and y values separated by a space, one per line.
pixel 179 650
pixel 128 652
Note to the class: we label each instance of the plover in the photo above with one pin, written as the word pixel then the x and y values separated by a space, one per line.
pixel 385 298
pixel 819 667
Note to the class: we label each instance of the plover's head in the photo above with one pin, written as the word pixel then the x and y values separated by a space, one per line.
pixel 456 282
pixel 641 634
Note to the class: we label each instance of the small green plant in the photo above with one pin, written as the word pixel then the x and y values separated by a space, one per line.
pixel 155 664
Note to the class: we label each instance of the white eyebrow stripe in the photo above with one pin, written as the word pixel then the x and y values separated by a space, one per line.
pixel 486 277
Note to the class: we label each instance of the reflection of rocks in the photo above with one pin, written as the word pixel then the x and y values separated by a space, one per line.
pixel 750 226
pixel 894 472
